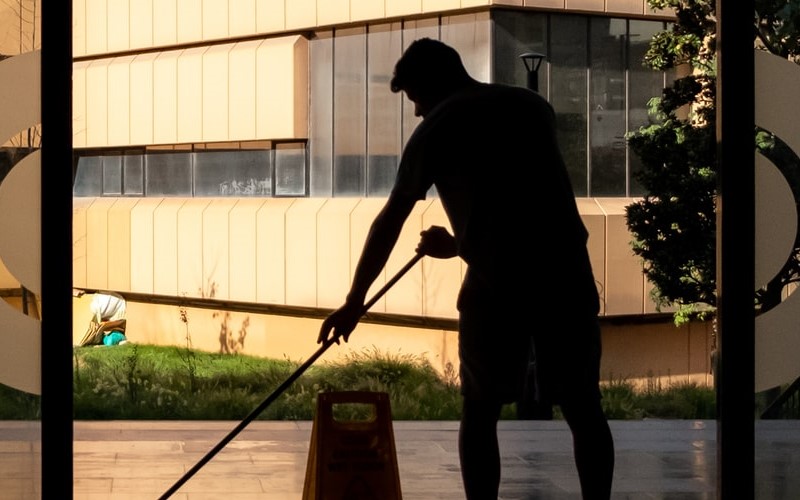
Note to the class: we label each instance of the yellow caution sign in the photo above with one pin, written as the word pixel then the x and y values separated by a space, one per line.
pixel 352 454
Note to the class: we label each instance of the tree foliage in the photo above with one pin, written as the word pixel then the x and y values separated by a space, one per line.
pixel 674 224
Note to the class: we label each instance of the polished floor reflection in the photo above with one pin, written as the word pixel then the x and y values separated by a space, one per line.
pixel 656 459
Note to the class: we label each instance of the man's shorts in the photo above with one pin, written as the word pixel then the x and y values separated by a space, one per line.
pixel 495 344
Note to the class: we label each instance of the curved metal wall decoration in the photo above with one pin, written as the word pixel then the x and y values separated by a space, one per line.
pixel 20 223
pixel 777 235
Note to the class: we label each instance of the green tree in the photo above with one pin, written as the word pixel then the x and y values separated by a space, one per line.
pixel 674 224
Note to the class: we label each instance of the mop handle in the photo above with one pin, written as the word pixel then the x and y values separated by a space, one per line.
pixel 277 392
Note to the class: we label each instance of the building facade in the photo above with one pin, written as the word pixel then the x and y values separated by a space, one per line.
pixel 230 156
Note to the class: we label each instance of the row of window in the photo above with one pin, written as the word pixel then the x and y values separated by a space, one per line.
pixel 277 170
pixel 593 76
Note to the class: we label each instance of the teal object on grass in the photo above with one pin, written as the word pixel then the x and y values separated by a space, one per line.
pixel 113 338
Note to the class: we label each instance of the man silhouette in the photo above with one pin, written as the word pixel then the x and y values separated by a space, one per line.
pixel 491 153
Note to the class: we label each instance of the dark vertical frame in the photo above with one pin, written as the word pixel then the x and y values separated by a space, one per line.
pixel 735 250
pixel 56 251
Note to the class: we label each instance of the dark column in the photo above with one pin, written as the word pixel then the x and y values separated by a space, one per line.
pixel 735 250
pixel 56 85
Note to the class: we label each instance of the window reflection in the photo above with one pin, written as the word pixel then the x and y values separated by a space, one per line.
pixel 350 112
pixel 607 106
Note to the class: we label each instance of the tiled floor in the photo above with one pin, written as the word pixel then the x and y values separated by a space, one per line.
pixel 656 459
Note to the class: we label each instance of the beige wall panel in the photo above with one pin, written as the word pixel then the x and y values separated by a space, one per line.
pixel 216 246
pixel 165 247
pixel 360 221
pixel 119 244
pixel 276 116
pixel 118 25
pixel 406 297
pixel 215 19
pixel 700 347
pixel 78 28
pixel 165 98
pixel 301 251
pixel 440 5
pixel 79 104
pixel 119 101
pixel 598 5
pixel 141 78
pixel 80 208
pixel 655 351
pixel 442 277
pixel 333 254
pixel 626 6
pixel 301 89
pixel 361 10
pixel 242 91
pixel 190 21
pixel 553 4
pixel 595 221
pixel 241 17
pixel 165 22
pixel 142 14
pixel 96 16
pixel 97 243
pixel 215 93
pixel 7 280
pixel 242 249
pixel 403 7
pixel 270 15
pixel 192 282
pixel 97 103
pixel 467 31
pixel 301 14
pixel 660 12
pixel 624 277
pixel 333 12
pixel 190 95
pixel 81 315
pixel 271 250
pixel 476 3
pixel 142 244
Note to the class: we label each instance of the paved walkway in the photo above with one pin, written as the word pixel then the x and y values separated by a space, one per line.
pixel 656 459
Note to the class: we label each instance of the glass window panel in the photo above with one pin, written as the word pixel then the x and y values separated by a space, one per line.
pixel 607 107
pixel 470 34
pixel 382 172
pixel 516 33
pixel 413 30
pixel 133 175
pixel 321 115
pixel 645 84
pixel 88 176
pixel 568 84
pixel 232 173
pixel 383 108
pixel 168 174
pixel 112 175
pixel 350 112
pixel 290 170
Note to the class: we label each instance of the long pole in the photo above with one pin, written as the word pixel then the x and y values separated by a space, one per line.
pixel 281 388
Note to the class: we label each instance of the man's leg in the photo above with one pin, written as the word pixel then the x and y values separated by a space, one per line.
pixel 593 446
pixel 478 449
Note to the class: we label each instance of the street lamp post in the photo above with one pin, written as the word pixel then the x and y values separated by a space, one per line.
pixel 528 408
pixel 532 61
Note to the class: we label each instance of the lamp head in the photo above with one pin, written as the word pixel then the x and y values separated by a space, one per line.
pixel 532 60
